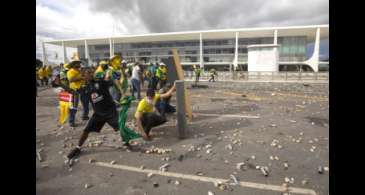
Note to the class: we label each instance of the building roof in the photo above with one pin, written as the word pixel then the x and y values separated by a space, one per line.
pixel 308 31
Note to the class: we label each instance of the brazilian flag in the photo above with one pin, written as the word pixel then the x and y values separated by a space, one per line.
pixel 126 133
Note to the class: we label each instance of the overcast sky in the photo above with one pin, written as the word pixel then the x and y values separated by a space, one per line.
pixel 64 19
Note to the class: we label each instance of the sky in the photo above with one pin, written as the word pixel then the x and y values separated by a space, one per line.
pixel 70 19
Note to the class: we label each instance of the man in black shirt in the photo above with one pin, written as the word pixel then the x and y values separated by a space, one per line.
pixel 104 109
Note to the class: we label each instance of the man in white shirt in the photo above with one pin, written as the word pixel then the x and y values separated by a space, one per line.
pixel 136 80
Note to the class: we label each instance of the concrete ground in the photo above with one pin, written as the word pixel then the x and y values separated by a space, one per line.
pixel 292 114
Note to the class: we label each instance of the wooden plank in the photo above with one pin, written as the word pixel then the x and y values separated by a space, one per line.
pixel 180 75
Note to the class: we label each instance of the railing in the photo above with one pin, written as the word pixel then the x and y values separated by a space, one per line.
pixel 263 76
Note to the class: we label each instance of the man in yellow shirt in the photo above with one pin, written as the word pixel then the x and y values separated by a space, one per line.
pixel 43 76
pixel 146 116
pixel 75 80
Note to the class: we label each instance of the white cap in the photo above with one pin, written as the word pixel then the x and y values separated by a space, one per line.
pixel 162 64
pixel 123 61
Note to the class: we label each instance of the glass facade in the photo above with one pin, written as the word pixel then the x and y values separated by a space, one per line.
pixel 214 50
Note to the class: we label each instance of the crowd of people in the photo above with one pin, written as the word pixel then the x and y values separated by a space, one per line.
pixel 105 87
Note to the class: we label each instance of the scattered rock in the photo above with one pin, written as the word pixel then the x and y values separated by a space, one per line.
pixel 226 161
pixel 155 184
pixel 280 146
pixel 177 182
pixel 257 167
pixel 142 167
pixel 209 151
pixel 87 186
pixel 286 165
pixel 210 193
pixel 229 147
pixel 112 162
pixel 326 169
pixel 276 158
pixel 200 173
pixel 149 175
pixel 164 167
pixel 320 169
pixel 304 182
pixel 253 157
pixel 91 160
pixel 301 133
pixel 271 158
pixel 265 171
pixel 240 166
pixel 234 179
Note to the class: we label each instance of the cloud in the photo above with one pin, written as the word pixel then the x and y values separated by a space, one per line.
pixel 68 19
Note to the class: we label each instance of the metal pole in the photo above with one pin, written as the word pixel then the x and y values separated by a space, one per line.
pixel 180 102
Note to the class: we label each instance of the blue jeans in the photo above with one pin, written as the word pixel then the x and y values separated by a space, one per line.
pixel 136 86
pixel 85 99
pixel 164 107
pixel 73 109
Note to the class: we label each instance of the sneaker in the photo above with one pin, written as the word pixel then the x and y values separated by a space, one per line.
pixel 75 152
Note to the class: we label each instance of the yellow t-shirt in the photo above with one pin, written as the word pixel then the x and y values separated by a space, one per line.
pixel 144 106
pixel 73 73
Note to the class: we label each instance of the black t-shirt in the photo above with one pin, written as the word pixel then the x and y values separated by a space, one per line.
pixel 100 97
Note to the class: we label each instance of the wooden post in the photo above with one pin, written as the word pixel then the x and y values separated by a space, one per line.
pixel 180 75
pixel 180 102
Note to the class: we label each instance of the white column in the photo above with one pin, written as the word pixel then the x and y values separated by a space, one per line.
pixel 275 36
pixel 276 49
pixel 235 60
pixel 87 56
pixel 64 53
pixel 44 54
pixel 314 60
pixel 201 50
pixel 111 47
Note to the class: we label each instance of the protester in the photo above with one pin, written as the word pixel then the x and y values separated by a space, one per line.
pixel 49 71
pixel 114 73
pixel 43 76
pixel 145 115
pixel 136 80
pixel 84 97
pixel 163 105
pixel 161 74
pixel 75 82
pixel 213 73
pixel 197 72
pixel 104 110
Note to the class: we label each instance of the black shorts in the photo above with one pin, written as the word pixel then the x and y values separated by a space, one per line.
pixel 96 122
pixel 150 120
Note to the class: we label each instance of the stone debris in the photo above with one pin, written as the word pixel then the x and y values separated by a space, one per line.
pixel 286 165
pixel 286 179
pixel 234 179
pixel 141 167
pixel 320 169
pixel 112 162
pixel 293 121
pixel 226 161
pixel 155 184
pixel 265 171
pixel 177 182
pixel 271 158
pixel 257 167
pixel 229 147
pixel 91 160
pixel 316 139
pixel 163 168
pixel 304 182
pixel 208 146
pixel 273 125
pixel 155 150
pixel 301 133
pixel 149 175
pixel 210 193
pixel 310 141
pixel 276 158
pixel 253 157
pixel 280 146
pixel 39 157
pixel 241 166
pixel 313 148
pixel 200 173
pixel 87 186
pixel 326 169
pixel 209 151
